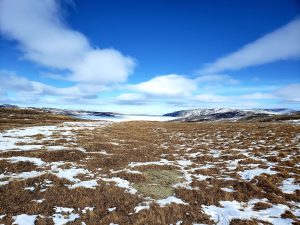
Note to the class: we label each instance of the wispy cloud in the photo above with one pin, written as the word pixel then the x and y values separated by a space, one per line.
pixel 211 98
pixel 257 96
pixel 216 79
pixel 131 99
pixel 169 90
pixel 44 38
pixel 289 93
pixel 9 81
pixel 281 44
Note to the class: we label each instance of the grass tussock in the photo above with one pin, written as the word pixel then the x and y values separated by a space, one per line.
pixel 16 167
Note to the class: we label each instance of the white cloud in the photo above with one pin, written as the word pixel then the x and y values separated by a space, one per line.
pixel 130 97
pixel 16 89
pixel 216 78
pixel 180 90
pixel 289 93
pixel 258 96
pixel 113 65
pixel 281 44
pixel 172 85
pixel 211 98
pixel 38 27
pixel 9 81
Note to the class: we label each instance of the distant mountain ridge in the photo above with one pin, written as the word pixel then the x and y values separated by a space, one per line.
pixel 192 115
pixel 195 115
pixel 67 112
pixel 80 113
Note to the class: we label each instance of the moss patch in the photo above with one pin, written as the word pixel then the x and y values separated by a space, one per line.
pixel 158 183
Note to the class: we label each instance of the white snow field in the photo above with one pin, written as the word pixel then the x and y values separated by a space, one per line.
pixel 124 118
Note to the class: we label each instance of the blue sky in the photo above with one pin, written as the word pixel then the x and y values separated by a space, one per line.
pixel 150 56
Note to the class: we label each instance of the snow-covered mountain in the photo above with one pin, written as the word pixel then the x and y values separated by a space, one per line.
pixel 226 114
pixel 192 115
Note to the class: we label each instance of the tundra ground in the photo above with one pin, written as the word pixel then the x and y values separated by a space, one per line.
pixel 150 173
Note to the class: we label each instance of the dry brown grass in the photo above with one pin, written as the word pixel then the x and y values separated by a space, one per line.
pixel 16 167
pixel 114 147
pixel 11 118
pixel 262 206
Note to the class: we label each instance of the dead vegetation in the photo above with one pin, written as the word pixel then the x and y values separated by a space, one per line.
pixel 16 167
pixel 199 163
pixel 15 117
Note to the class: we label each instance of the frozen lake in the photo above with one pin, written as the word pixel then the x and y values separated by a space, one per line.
pixel 121 118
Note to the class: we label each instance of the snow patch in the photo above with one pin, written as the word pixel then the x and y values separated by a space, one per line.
pixel 86 184
pixel 21 176
pixel 142 206
pixel 64 215
pixel 250 174
pixel 35 161
pixel 160 163
pixel 288 187
pixel 227 190
pixel 238 210
pixel 24 219
pixel 169 200
pixel 112 209
pixel 9 139
pixel 184 162
pixel 88 209
pixel 69 174
pixel 121 183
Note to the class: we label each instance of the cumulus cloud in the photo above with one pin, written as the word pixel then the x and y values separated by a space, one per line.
pixel 172 85
pixel 281 44
pixel 113 67
pixel 45 39
pixel 178 89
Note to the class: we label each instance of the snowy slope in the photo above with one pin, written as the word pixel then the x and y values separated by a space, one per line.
pixel 226 113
